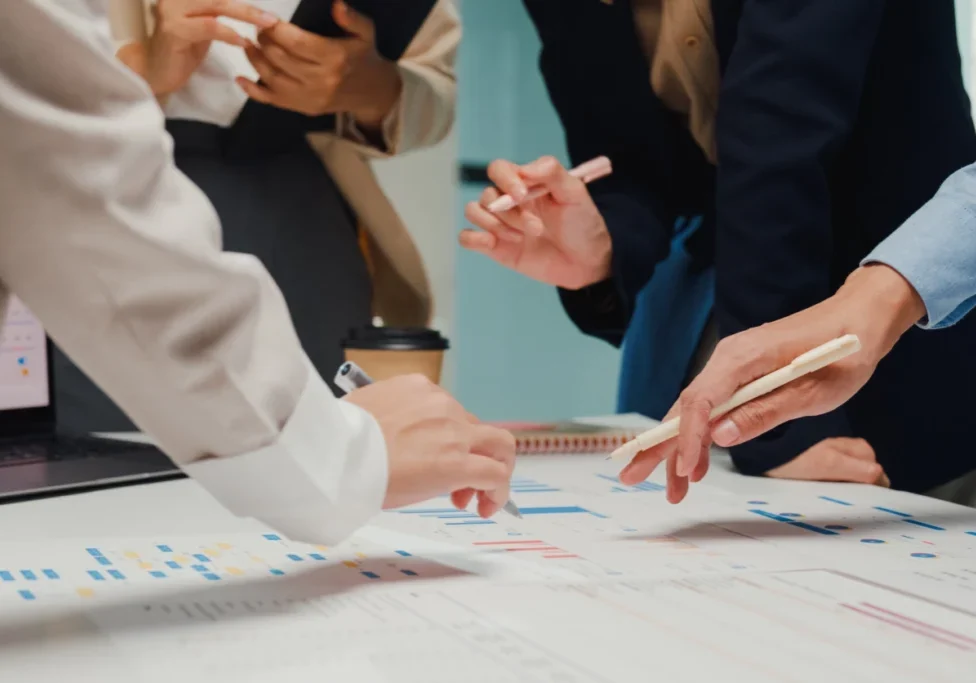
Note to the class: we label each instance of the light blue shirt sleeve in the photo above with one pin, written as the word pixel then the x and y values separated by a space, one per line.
pixel 935 250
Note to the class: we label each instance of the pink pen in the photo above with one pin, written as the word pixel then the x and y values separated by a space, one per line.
pixel 588 172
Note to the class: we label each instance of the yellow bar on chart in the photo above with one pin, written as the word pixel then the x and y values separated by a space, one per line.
pixel 350 563
pixel 362 555
pixel 235 571
pixel 182 559
pixel 224 546
pixel 86 592
pixel 145 565
pixel 132 555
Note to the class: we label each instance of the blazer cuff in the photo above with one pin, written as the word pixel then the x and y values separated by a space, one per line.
pixel 323 478
pixel 783 444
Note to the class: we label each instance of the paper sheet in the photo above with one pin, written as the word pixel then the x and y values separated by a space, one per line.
pixel 599 582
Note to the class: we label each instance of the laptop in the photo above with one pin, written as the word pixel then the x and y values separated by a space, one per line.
pixel 35 460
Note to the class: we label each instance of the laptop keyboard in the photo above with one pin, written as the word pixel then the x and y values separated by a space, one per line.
pixel 66 448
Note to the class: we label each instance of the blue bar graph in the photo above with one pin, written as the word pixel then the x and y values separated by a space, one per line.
pixel 96 575
pixel 116 574
pixel 531 486
pixel 157 575
pixel 295 558
pixel 408 572
pixel 277 572
pixel 892 512
pixel 199 568
pixel 172 565
pixel 104 561
pixel 317 556
pixel 94 552
pixel 560 510
pixel 924 524
pixel 644 486
pixel 971 533
pixel 164 548
pixel 6 576
pixel 28 574
pixel 51 574
pixel 370 575
pixel 835 500
pixel 793 522
pixel 210 576
pixel 272 537
pixel 473 522
pixel 200 557
pixel 27 595
pixel 403 553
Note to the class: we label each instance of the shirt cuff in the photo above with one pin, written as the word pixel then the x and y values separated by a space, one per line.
pixel 323 478
pixel 348 129
pixel 937 264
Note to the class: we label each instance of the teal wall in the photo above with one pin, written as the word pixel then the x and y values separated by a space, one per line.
pixel 516 354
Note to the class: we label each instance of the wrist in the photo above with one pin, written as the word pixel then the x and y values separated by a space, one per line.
pixel 885 303
pixel 382 94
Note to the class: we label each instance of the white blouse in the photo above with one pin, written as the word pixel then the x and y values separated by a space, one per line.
pixel 211 95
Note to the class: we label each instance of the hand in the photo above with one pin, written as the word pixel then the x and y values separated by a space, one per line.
pixel 841 459
pixel 184 32
pixel 875 303
pixel 560 239
pixel 312 75
pixel 436 447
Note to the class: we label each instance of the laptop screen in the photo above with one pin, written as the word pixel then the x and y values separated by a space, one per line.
pixel 23 360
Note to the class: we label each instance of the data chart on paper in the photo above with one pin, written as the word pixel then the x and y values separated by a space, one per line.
pixel 597 582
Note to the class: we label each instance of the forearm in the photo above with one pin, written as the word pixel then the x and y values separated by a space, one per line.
pixel 118 254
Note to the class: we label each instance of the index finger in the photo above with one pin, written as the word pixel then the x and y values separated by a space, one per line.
pixel 233 9
pixel 506 177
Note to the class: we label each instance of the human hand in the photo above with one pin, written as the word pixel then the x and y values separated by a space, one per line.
pixel 435 447
pixel 304 72
pixel 840 459
pixel 560 239
pixel 182 37
pixel 875 303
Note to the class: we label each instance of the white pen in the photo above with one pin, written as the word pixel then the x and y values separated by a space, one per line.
pixel 811 361
pixel 351 377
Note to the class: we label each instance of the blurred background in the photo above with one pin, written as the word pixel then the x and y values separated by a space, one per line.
pixel 514 353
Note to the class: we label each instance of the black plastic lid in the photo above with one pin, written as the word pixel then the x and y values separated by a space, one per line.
pixel 395 339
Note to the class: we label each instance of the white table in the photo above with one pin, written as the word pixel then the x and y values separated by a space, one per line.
pixel 687 646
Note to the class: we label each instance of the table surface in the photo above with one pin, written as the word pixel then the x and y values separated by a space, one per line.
pixel 182 509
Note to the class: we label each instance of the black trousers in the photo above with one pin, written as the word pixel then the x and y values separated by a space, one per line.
pixel 276 202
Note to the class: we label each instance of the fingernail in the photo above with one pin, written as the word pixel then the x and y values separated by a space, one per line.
pixel 520 191
pixel 726 433
pixel 267 19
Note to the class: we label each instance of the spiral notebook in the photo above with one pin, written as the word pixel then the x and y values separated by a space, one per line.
pixel 555 438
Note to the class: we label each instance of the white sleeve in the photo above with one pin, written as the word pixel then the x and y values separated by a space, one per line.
pixel 119 255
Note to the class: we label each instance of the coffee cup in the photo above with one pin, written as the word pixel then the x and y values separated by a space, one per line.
pixel 385 352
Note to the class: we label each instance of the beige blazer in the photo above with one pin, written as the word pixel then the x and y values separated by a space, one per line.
pixel 401 290
pixel 678 38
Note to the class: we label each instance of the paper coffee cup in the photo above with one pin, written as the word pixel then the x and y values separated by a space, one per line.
pixel 385 352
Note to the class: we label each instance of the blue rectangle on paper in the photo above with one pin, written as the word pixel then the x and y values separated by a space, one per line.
pixel 971 533
pixel 564 510
pixel 6 576
pixel 295 558
pixel 157 575
pixel 793 522
pixel 210 576
pixel 116 574
pixel 28 574
pixel 316 556
pixel 370 575
pixel 96 575
pixel 403 553
pixel 172 565
pixel 408 572
pixel 200 568
pixel 430 511
pixel 104 561
pixel 200 557
pixel 272 537
pixel 277 572
pixel 51 574
pixel 164 548
pixel 27 595
pixel 924 524
pixel 94 552
pixel 835 500
pixel 892 512
pixel 473 522
pixel 534 490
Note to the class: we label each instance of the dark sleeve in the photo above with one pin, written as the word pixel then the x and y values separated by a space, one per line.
pixel 789 99
pixel 606 105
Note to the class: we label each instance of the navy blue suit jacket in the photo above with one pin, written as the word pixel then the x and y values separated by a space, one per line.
pixel 837 119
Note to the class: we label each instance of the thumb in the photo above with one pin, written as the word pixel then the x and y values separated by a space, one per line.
pixel 358 25
pixel 759 416
pixel 561 185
